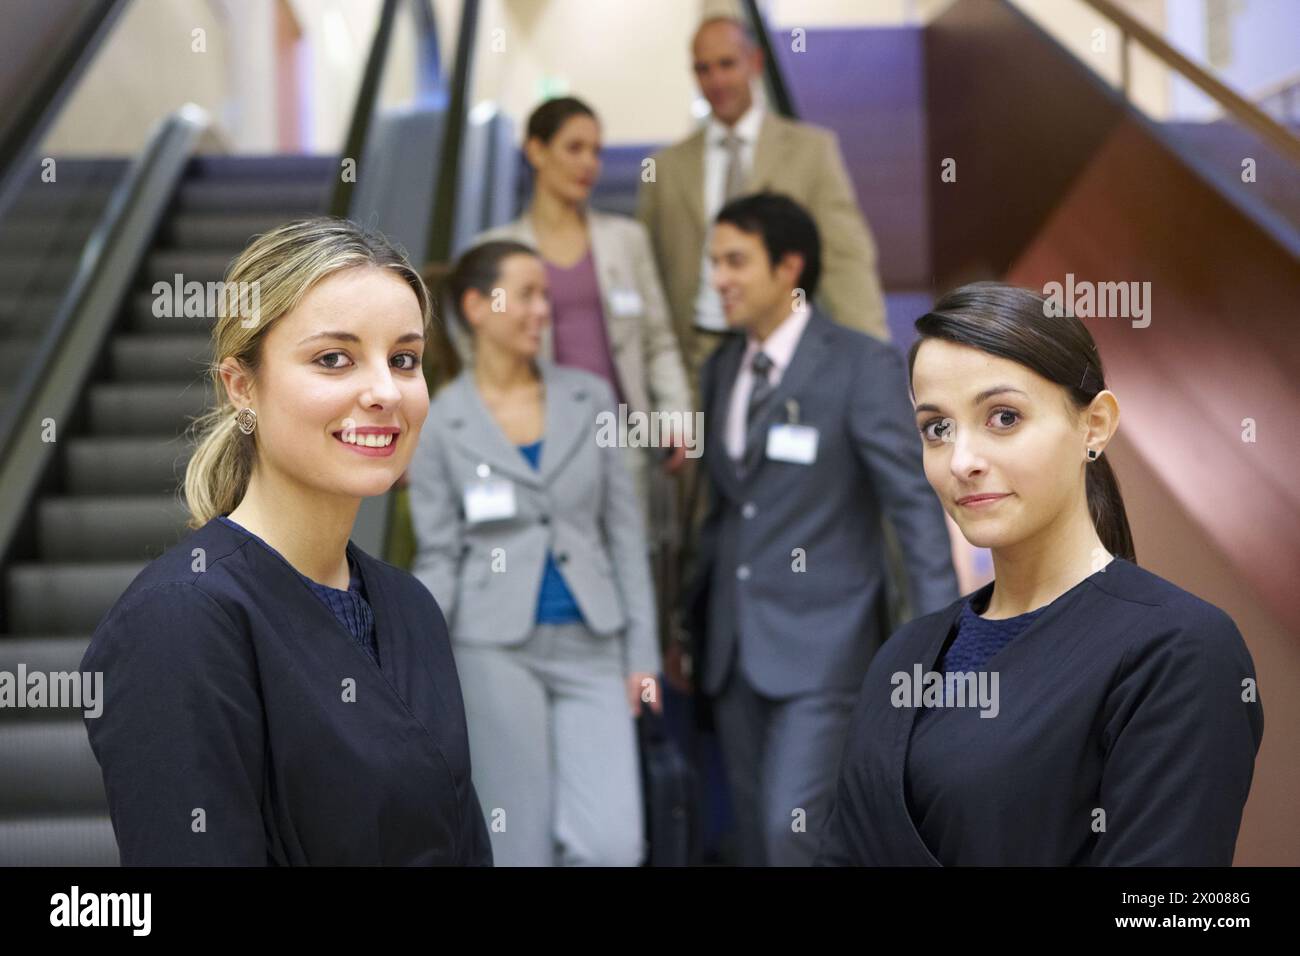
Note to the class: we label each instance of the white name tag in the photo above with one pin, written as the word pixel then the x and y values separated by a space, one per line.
pixel 796 444
pixel 626 302
pixel 489 499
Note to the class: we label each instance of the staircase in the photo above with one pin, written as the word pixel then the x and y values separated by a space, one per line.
pixel 112 504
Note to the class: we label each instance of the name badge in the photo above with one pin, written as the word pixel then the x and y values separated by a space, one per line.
pixel 626 303
pixel 796 444
pixel 489 499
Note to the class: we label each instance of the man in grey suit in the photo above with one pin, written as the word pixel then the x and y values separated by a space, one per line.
pixel 809 443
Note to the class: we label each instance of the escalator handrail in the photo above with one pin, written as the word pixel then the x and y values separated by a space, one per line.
pixel 40 104
pixel 442 212
pixel 372 76
pixel 778 93
pixel 70 345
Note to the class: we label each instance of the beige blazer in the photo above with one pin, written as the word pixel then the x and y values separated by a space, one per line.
pixel 797 159
pixel 651 372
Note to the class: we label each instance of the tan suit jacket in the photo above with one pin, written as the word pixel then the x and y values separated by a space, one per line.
pixel 797 159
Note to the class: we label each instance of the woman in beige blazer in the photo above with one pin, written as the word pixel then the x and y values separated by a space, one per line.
pixel 609 312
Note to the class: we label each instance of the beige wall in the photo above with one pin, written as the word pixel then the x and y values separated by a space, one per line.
pixel 629 59
pixel 1073 22
pixel 145 70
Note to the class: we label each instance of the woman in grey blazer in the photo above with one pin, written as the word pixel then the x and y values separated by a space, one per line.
pixel 609 311
pixel 530 536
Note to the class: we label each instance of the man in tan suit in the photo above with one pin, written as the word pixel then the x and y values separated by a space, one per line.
pixel 743 149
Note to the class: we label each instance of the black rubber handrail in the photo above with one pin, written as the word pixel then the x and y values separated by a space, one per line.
pixel 37 105
pixel 364 110
pixel 777 92
pixel 442 213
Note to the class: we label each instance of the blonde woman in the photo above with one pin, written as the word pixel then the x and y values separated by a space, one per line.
pixel 274 695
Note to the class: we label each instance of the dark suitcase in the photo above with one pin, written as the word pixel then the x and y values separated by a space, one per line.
pixel 669 787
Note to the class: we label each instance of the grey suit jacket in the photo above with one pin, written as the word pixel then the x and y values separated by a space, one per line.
pixel 816 628
pixel 579 505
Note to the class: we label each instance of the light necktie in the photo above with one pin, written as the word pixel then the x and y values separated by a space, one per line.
pixel 735 182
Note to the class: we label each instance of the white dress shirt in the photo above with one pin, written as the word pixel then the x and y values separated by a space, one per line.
pixel 779 346
pixel 708 304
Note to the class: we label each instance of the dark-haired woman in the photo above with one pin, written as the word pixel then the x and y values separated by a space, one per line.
pixel 1077 710
pixel 609 314
pixel 529 535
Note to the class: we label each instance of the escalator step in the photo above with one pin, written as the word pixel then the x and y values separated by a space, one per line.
pixel 80 840
pixel 145 409
pixel 217 231
pixel 125 466
pixel 193 266
pixel 100 528
pixel 159 358
pixel 296 200
pixel 65 598
pixel 49 769
pixel 42 653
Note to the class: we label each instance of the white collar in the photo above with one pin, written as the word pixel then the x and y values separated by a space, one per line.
pixel 746 127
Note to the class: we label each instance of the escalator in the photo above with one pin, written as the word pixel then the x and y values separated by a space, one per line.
pixel 112 504
pixel 102 379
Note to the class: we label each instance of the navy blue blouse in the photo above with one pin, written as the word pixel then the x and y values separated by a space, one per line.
pixel 350 607
pixel 978 638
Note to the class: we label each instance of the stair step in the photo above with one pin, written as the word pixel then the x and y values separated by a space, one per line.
pixel 45 655
pixel 42 652
pixel 228 232
pixel 48 598
pixel 49 769
pixel 125 465
pixel 109 528
pixel 161 409
pixel 295 199
pixel 78 840
pixel 40 274
pixel 163 265
pixel 160 358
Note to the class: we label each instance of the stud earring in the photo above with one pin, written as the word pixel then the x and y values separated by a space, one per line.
pixel 246 420
pixel 1092 454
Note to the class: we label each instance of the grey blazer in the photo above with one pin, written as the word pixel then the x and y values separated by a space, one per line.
pixel 815 629
pixel 580 505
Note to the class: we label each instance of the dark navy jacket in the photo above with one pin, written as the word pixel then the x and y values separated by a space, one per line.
pixel 1126 734
pixel 243 725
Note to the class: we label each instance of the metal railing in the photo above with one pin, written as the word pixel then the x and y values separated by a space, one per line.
pixel 1234 104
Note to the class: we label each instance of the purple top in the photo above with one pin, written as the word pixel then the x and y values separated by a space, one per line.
pixel 578 329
